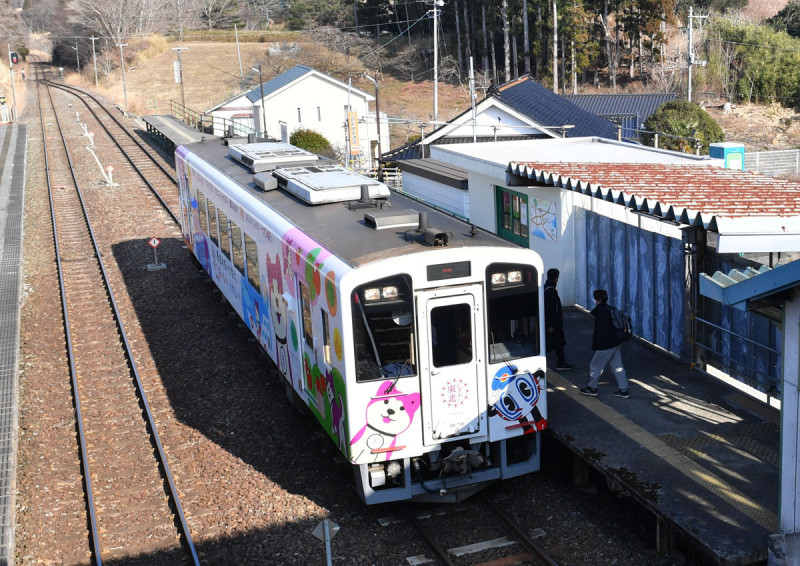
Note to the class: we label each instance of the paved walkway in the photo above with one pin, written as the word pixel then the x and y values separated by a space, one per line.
pixel 702 456
pixel 13 143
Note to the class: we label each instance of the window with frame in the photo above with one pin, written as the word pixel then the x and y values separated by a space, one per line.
pixel 326 336
pixel 212 223
pixel 251 261
pixel 308 329
pixel 224 233
pixel 201 209
pixel 236 247
pixel 512 312
pixel 383 329
pixel 512 216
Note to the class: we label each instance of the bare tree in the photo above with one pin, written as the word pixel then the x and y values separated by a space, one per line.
pixel 216 12
pixel 526 37
pixel 506 39
pixel 118 20
pixel 183 14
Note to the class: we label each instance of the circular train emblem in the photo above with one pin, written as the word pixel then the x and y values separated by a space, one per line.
pixel 455 392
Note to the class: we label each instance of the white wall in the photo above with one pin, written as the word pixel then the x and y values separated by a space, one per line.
pixel 568 252
pixel 322 109
pixel 223 116
pixel 451 199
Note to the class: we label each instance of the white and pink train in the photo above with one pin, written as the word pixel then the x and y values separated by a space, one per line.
pixel 415 339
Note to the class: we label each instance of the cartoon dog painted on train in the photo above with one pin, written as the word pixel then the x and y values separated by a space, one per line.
pixel 514 396
pixel 389 413
pixel 278 313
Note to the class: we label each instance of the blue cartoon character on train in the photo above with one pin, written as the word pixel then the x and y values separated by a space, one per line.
pixel 514 396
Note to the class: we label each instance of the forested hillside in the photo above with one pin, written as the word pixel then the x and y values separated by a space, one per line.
pixel 593 46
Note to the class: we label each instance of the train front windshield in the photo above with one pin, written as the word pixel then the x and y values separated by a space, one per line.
pixel 383 328
pixel 512 312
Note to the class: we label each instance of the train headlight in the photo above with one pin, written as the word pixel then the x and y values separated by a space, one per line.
pixel 389 293
pixel 498 279
pixel 372 294
pixel 507 278
pixel 383 293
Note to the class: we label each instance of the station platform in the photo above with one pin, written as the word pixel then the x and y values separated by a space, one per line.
pixel 13 145
pixel 699 454
pixel 169 132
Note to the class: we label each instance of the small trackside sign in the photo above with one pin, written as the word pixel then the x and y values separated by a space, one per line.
pixel 154 242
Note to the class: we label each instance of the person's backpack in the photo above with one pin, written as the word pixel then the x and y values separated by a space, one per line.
pixel 623 328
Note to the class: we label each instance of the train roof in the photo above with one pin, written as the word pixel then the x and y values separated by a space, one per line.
pixel 360 228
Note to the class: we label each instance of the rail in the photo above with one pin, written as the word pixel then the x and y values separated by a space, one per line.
pixel 150 421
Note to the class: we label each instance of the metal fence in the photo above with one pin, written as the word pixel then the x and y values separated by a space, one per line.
pixel 214 125
pixel 773 163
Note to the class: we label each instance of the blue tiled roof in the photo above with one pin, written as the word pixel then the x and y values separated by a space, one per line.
pixel 617 105
pixel 276 83
pixel 549 109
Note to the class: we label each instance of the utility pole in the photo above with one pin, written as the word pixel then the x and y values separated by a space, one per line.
pixel 11 71
pixel 239 53
pixel 77 56
pixel 377 81
pixel 436 5
pixel 122 64
pixel 555 47
pixel 263 104
pixel 690 53
pixel 94 55
pixel 179 74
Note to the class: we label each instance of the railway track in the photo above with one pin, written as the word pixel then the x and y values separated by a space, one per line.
pixel 132 504
pixel 475 532
pixel 145 162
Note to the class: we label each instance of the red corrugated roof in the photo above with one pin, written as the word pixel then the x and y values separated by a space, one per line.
pixel 707 190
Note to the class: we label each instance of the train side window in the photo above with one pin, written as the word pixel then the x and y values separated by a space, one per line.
pixel 512 312
pixel 224 233
pixel 383 329
pixel 236 247
pixel 251 261
pixel 308 329
pixel 212 223
pixel 201 208
pixel 326 336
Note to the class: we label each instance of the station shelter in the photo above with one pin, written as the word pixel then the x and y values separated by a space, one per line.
pixel 642 223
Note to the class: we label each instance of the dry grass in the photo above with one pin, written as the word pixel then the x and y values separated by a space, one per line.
pixel 211 75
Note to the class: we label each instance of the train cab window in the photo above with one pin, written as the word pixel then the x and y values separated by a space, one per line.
pixel 512 312
pixel 236 247
pixel 326 336
pixel 212 223
pixel 251 261
pixel 201 208
pixel 308 329
pixel 224 233
pixel 383 329
pixel 451 335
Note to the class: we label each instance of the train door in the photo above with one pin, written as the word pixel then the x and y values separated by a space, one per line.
pixel 452 366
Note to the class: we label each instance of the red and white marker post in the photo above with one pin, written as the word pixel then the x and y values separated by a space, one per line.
pixel 154 243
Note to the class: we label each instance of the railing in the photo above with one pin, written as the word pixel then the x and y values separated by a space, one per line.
pixel 773 163
pixel 214 125
pixel 695 143
pixel 745 360
pixel 391 176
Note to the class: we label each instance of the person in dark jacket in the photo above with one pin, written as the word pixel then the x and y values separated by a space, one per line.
pixel 554 320
pixel 606 349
